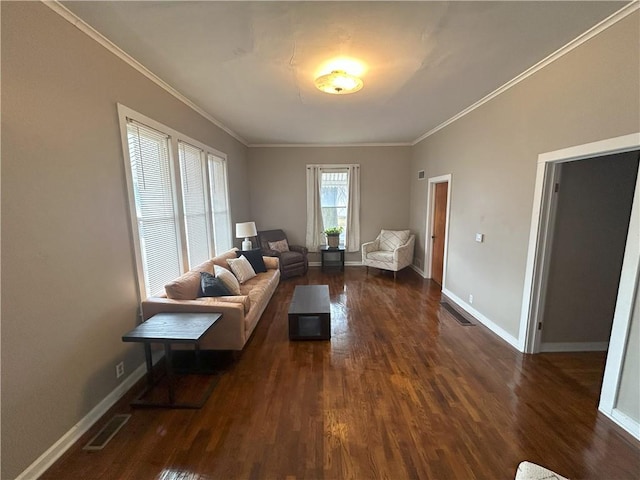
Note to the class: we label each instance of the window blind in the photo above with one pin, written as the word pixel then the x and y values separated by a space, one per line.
pixel 195 203
pixel 220 203
pixel 155 210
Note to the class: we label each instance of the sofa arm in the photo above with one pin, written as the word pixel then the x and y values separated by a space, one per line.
pixel 229 333
pixel 272 263
pixel 228 305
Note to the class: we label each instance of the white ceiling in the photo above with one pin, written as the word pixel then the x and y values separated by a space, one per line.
pixel 251 65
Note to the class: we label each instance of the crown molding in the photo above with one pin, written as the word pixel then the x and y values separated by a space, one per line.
pixel 88 30
pixel 84 27
pixel 329 145
pixel 576 42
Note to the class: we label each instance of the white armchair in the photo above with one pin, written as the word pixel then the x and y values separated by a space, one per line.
pixel 391 250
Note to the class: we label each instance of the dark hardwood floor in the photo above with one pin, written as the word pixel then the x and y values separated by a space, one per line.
pixel 400 391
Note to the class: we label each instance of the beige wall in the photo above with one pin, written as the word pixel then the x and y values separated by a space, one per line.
pixel 592 219
pixel 68 286
pixel 67 267
pixel 278 188
pixel 590 94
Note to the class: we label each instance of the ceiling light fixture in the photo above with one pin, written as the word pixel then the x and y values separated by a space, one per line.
pixel 338 82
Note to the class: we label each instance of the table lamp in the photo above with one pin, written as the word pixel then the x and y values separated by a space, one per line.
pixel 246 230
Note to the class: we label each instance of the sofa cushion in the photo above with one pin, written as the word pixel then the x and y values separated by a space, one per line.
pixel 255 259
pixel 228 278
pixel 211 286
pixel 272 263
pixel 241 268
pixel 187 285
pixel 243 300
pixel 221 260
pixel 392 239
pixel 204 267
pixel 380 256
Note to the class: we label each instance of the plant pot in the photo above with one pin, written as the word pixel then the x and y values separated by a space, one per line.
pixel 333 241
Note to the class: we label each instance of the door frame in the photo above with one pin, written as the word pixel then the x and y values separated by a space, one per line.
pixel 428 245
pixel 536 272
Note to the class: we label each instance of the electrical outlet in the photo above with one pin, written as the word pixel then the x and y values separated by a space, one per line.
pixel 119 369
pixel 470 299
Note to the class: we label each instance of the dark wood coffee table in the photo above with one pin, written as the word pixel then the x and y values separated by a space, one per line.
pixel 310 313
pixel 168 329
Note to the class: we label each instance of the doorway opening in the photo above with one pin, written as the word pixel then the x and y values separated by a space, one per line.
pixel 437 231
pixel 593 200
pixel 540 253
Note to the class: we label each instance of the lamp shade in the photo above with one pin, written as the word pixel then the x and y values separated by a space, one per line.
pixel 246 229
pixel 338 82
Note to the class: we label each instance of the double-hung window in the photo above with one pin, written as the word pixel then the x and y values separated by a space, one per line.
pixel 333 200
pixel 178 200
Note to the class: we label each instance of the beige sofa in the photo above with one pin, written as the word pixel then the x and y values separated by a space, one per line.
pixel 240 314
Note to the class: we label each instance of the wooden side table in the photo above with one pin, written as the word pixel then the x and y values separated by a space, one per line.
pixel 170 328
pixel 332 257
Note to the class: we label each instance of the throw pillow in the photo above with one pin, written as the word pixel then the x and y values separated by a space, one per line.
pixel 392 239
pixel 280 245
pixel 228 279
pixel 185 287
pixel 241 268
pixel 211 286
pixel 255 259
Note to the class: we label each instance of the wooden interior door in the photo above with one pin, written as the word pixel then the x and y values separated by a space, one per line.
pixel 439 229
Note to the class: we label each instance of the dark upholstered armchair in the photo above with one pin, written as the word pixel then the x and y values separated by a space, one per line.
pixel 292 261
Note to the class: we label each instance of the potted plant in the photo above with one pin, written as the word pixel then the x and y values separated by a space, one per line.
pixel 333 236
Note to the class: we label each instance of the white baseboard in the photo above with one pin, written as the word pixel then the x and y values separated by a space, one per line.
pixel 623 421
pixel 418 271
pixel 499 331
pixel 44 461
pixel 351 263
pixel 574 346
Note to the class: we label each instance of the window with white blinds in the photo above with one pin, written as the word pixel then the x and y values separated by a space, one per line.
pixel 157 222
pixel 178 199
pixel 197 214
pixel 219 202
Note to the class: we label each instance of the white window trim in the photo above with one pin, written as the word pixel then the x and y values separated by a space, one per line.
pixel 125 113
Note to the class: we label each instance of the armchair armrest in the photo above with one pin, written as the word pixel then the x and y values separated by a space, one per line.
pixel 370 247
pixel 299 249
pixel 404 253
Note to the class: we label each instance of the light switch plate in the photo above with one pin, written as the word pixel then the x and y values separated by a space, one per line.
pixel 479 237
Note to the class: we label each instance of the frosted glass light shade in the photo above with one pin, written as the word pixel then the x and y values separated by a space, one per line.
pixel 338 82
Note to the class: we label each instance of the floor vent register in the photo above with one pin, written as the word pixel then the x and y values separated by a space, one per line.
pixel 107 433
pixel 455 314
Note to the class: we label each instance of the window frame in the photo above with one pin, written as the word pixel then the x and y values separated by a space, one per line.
pixel 174 139
pixel 329 171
